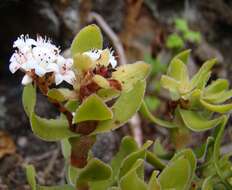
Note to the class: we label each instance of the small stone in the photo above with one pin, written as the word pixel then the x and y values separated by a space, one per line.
pixel 22 142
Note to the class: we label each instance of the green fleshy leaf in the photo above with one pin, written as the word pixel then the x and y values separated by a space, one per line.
pixel 101 81
pixel 95 170
pixel 121 113
pixel 208 183
pixel 72 105
pixel 196 122
pixel 108 94
pixel 202 76
pixel 192 36
pixel 156 162
pixel 132 180
pixel 183 56
pixel 170 84
pixel 216 86
pixel 82 62
pixel 176 175
pixel 93 108
pixel 29 99
pixel 65 148
pixel 219 97
pixel 153 182
pixel 127 147
pixel 219 108
pixel 88 38
pixel 201 152
pixel 130 74
pixel 181 25
pixel 130 160
pixel 216 152
pixel 190 156
pixel 31 173
pixel 50 129
pixel 158 149
pixel 46 129
pixel 61 94
pixel 174 41
pixel 178 70
pixel 144 110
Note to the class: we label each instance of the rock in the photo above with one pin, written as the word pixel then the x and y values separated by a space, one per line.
pixel 106 146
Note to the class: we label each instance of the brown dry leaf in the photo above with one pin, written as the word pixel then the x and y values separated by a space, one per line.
pixel 7 145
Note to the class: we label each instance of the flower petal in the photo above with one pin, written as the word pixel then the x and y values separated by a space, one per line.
pixel 52 67
pixel 26 80
pixel 40 71
pixel 69 77
pixel 14 66
pixel 58 79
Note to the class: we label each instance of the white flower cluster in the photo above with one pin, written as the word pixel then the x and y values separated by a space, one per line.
pixel 95 54
pixel 40 56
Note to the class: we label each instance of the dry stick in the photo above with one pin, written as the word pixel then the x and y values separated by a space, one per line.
pixel 110 33
pixel 135 120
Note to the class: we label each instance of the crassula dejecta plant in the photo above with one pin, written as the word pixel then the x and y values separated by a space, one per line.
pixel 93 79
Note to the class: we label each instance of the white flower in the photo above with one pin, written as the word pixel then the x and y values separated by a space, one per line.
pixel 95 55
pixel 39 56
pixel 63 71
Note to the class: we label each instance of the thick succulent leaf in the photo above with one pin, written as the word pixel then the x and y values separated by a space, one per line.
pixel 130 160
pixel 101 81
pixel 153 182
pixel 219 97
pixel 132 180
pixel 176 175
pixel 108 94
pixel 65 148
pixel 50 129
pixel 216 152
pixel 190 156
pixel 203 74
pixel 196 122
pixel 144 110
pixel 170 84
pixel 201 152
pixel 60 187
pixel 61 94
pixel 46 129
pixel 31 173
pixel 127 146
pixel 183 56
pixel 208 183
pixel 178 70
pixel 82 62
pixel 95 170
pixel 121 113
pixel 29 99
pixel 174 41
pixel 72 105
pixel 88 38
pixel 219 108
pixel 130 74
pixel 216 86
pixel 93 108
pixel 154 160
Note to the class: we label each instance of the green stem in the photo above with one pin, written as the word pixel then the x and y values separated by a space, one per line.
pixel 145 111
